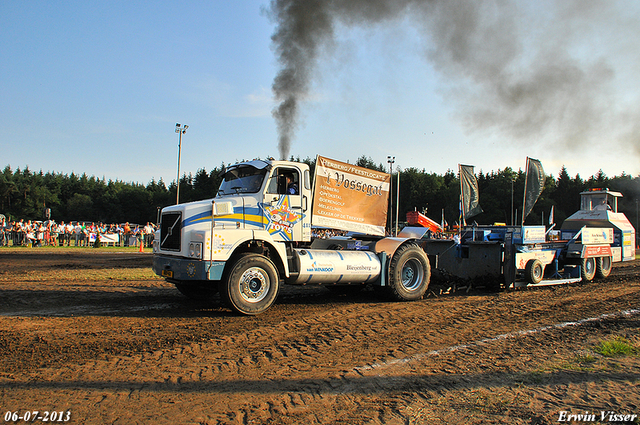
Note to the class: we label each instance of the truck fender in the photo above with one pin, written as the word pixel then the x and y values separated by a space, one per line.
pixel 280 248
pixel 262 237
pixel 390 245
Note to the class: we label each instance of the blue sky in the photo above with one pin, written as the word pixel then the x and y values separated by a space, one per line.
pixel 97 87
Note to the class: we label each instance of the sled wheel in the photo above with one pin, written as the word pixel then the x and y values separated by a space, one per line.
pixel 588 269
pixel 533 271
pixel 603 267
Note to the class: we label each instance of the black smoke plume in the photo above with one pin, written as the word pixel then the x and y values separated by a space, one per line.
pixel 501 74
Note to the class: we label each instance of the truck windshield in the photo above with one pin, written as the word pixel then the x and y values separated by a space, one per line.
pixel 245 179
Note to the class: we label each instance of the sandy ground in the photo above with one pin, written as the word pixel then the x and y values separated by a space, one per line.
pixel 76 339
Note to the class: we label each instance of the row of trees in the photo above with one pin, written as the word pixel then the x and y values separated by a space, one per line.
pixel 25 194
pixel 502 193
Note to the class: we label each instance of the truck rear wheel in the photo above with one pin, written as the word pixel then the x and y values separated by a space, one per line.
pixel 588 269
pixel 409 273
pixel 603 267
pixel 251 286
pixel 533 271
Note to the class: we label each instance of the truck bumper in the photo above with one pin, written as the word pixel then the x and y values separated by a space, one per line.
pixel 178 268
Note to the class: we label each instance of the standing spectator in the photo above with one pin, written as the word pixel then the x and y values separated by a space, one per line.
pixel 89 230
pixel 39 230
pixel 3 232
pixel 53 233
pixel 8 232
pixel 77 232
pixel 120 231
pixel 126 230
pixel 139 234
pixel 148 234
pixel 20 233
pixel 61 230
pixel 29 237
pixel 85 234
pixel 68 231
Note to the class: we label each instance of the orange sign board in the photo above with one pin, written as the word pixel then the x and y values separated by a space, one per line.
pixel 597 251
pixel 351 198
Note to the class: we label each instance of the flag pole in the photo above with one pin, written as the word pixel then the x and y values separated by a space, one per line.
pixel 524 198
pixel 462 218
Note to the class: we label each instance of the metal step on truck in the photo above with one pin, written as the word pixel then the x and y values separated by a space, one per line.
pixel 256 234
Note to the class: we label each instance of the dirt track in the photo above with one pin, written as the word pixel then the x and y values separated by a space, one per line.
pixel 136 351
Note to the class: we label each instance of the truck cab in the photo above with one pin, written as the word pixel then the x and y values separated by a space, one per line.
pixel 255 209
pixel 256 233
pixel 266 195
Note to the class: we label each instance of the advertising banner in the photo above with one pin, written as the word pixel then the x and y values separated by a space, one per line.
pixel 533 234
pixel 107 238
pixel 593 235
pixel 351 198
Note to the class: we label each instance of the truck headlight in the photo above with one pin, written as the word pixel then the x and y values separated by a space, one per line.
pixel 195 250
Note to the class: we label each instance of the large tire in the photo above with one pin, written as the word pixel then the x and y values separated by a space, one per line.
pixel 588 269
pixel 534 271
pixel 198 291
pixel 251 286
pixel 409 273
pixel 603 267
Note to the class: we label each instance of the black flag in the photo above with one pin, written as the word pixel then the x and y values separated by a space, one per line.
pixel 469 192
pixel 533 186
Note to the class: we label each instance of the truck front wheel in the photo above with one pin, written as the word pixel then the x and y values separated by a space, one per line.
pixel 409 273
pixel 251 286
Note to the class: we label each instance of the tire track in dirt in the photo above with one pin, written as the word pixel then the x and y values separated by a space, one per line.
pixel 397 398
pixel 335 342
pixel 299 363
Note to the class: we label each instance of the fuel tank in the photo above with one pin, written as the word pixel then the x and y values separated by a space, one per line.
pixel 336 267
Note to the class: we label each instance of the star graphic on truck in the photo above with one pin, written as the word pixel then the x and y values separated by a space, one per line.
pixel 281 218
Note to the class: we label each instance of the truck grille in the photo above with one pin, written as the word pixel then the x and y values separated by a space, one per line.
pixel 170 230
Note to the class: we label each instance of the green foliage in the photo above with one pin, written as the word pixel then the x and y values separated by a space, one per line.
pixel 25 194
pixel 617 346
pixel 502 192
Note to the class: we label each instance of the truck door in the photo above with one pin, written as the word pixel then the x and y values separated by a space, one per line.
pixel 284 204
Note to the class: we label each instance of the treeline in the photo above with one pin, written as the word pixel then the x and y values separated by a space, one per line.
pixel 25 194
pixel 502 193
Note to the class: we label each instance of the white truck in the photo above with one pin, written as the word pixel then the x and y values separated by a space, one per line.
pixel 256 234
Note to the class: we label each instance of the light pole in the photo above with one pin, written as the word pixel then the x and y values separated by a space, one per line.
pixel 180 130
pixel 512 200
pixel 391 160
pixel 397 200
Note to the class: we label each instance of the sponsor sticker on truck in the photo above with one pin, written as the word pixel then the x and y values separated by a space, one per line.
pixel 599 235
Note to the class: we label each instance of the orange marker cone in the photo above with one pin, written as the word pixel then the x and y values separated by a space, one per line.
pixel 141 246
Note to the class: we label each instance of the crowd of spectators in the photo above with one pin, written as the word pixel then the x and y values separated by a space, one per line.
pixel 322 233
pixel 75 233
